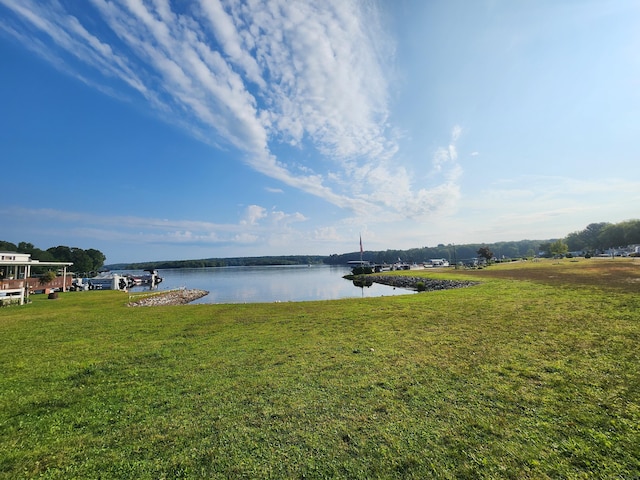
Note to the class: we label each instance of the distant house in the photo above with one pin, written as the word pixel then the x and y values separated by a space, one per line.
pixel 633 249
pixel 15 276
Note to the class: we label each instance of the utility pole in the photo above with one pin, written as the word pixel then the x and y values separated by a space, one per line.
pixel 455 262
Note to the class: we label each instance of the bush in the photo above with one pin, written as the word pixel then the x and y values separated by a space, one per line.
pixel 47 277
pixel 362 270
pixel 9 301
pixel 421 287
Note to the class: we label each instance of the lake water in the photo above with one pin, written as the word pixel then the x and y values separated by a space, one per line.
pixel 269 284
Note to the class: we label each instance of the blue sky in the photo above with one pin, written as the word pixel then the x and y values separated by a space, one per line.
pixel 157 129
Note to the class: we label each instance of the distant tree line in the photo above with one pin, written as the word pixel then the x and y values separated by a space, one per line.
pixel 84 261
pixel 601 236
pixel 223 262
pixel 452 253
pixel 594 238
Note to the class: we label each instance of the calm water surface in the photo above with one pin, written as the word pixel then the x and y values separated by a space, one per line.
pixel 270 284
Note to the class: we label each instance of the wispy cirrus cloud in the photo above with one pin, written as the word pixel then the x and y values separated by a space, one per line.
pixel 253 75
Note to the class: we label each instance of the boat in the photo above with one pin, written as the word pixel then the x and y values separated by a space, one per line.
pixel 108 281
pixel 151 278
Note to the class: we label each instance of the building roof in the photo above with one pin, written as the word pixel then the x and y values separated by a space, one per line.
pixel 18 259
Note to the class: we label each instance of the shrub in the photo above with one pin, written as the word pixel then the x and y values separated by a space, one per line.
pixel 362 270
pixel 47 277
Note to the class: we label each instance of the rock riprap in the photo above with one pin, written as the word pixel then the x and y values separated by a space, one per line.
pixel 170 297
pixel 430 284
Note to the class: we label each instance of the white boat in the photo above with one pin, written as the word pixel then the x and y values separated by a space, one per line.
pixel 438 262
pixel 108 281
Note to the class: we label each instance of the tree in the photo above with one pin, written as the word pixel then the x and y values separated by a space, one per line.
pixel 613 235
pixel 24 247
pixel 61 253
pixel 485 253
pixel 591 238
pixel 575 242
pixel 8 246
pixel 632 231
pixel 558 248
pixel 81 261
pixel 591 235
pixel 97 258
pixel 36 253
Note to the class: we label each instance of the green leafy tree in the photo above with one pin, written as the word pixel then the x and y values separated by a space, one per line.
pixel 545 248
pixel 612 235
pixel 588 239
pixel 558 248
pixel 61 253
pixel 8 246
pixel 591 235
pixel 632 231
pixel 36 253
pixel 485 253
pixel 25 247
pixel 97 258
pixel 81 261
pixel 575 242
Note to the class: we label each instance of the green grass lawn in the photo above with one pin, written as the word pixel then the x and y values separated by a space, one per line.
pixel 533 373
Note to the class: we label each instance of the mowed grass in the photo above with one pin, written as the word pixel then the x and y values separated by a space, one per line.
pixel 533 373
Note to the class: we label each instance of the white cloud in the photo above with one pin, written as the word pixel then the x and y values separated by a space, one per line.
pixel 327 234
pixel 315 75
pixel 253 214
pixel 284 219
pixel 256 222
pixel 246 238
pixel 455 133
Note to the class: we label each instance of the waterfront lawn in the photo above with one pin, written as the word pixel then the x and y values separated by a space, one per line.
pixel 513 378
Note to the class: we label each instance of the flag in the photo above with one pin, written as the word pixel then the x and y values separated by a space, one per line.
pixel 361 244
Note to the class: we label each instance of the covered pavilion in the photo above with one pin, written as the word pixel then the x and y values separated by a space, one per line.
pixel 15 275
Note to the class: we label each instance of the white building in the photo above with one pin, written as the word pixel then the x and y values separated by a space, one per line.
pixel 15 275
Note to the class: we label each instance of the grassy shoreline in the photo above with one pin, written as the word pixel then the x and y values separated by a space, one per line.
pixel 531 374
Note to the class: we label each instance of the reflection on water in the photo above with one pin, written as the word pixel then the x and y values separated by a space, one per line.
pixel 272 284
pixel 362 282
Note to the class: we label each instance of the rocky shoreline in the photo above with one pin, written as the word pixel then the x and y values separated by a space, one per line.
pixel 411 283
pixel 171 297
